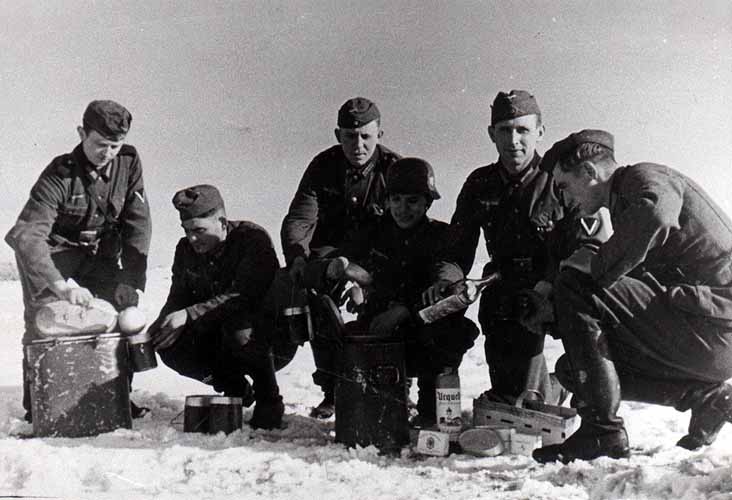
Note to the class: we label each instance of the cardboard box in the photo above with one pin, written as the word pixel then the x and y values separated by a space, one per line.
pixel 433 443
pixel 523 443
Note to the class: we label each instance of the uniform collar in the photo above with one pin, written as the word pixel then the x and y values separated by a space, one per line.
pixel 358 173
pixel 91 170
pixel 517 180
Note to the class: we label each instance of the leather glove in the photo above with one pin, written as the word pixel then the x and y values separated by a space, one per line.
pixel 384 324
pixel 126 296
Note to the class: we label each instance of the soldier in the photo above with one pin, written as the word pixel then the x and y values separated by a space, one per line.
pixel 403 252
pixel 213 326
pixel 511 201
pixel 648 317
pixel 340 191
pixel 87 219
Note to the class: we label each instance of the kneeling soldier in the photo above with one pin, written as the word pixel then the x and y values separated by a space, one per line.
pixel 213 327
pixel 403 253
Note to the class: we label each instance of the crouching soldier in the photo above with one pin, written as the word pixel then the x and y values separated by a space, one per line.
pixel 648 316
pixel 87 219
pixel 213 327
pixel 402 252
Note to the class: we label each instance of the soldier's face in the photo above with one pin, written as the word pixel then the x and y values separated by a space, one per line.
pixel 407 209
pixel 579 189
pixel 98 149
pixel 205 233
pixel 359 143
pixel 516 141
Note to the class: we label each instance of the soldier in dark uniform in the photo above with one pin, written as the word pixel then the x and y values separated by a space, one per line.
pixel 341 190
pixel 403 252
pixel 213 326
pixel 87 219
pixel 648 317
pixel 512 202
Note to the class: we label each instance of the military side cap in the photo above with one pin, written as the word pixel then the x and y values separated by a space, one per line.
pixel 569 144
pixel 110 119
pixel 357 112
pixel 513 104
pixel 412 175
pixel 197 201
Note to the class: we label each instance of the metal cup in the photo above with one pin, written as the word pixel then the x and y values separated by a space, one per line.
pixel 142 352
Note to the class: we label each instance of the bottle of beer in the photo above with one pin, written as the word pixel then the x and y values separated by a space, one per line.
pixel 462 294
pixel 447 400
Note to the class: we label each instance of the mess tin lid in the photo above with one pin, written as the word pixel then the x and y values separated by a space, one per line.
pixel 199 400
pixel 226 400
pixel 481 442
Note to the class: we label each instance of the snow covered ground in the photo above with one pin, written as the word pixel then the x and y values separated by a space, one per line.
pixel 157 460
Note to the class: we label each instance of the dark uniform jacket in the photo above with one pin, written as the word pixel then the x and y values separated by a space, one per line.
pixel 526 229
pixel 403 262
pixel 74 205
pixel 227 284
pixel 332 199
pixel 666 225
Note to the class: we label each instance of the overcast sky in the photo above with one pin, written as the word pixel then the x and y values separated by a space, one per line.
pixel 244 94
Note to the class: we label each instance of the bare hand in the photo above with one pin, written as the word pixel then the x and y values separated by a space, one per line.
pixel 126 296
pixel 78 295
pixel 170 329
pixel 435 292
pixel 385 323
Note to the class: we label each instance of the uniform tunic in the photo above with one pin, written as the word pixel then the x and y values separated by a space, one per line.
pixel 661 286
pixel 527 233
pixel 82 223
pixel 332 199
pixel 404 263
pixel 223 292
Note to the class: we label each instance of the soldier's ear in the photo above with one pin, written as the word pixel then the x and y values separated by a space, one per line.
pixel 590 169
pixel 337 133
pixel 380 134
pixel 491 133
pixel 82 133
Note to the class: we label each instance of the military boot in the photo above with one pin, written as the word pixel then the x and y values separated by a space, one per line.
pixel 596 382
pixel 268 406
pixel 710 403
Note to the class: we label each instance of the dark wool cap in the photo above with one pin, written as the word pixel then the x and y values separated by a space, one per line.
pixel 110 119
pixel 357 112
pixel 570 143
pixel 412 175
pixel 507 106
pixel 197 201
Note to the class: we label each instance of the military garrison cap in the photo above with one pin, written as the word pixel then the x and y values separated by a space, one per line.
pixel 197 201
pixel 412 175
pixel 108 118
pixel 570 143
pixel 357 112
pixel 513 104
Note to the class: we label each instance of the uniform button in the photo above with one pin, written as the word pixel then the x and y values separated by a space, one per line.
pixel 354 199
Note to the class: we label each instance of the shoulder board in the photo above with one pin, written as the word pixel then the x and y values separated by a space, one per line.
pixel 388 156
pixel 64 164
pixel 128 150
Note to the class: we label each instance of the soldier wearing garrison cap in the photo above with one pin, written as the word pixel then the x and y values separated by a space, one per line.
pixel 526 232
pixel 341 190
pixel 87 219
pixel 214 326
pixel 647 316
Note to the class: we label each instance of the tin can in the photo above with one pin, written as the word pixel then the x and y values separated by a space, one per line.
pixel 142 352
pixel 196 413
pixel 225 415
